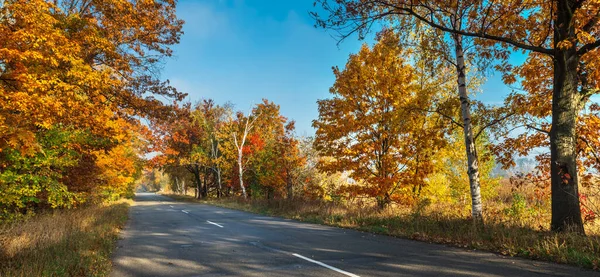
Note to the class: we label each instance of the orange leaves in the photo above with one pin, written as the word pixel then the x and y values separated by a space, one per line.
pixel 51 72
pixel 255 144
pixel 376 125
pixel 68 66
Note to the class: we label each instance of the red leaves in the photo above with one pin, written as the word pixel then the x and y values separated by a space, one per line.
pixel 255 144
pixel 588 214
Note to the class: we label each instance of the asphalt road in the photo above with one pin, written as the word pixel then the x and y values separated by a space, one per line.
pixel 168 238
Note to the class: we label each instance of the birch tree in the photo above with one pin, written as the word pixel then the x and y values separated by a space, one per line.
pixel 245 124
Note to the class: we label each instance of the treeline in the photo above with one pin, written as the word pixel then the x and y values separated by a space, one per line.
pixel 220 152
pixel 395 131
pixel 388 135
pixel 75 77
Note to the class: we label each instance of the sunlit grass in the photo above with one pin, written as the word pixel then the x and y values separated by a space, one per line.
pixel 65 243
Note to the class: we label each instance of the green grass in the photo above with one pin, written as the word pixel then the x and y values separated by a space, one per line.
pixel 75 242
pixel 499 234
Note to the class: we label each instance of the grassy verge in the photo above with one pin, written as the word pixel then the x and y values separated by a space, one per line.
pixel 500 235
pixel 66 243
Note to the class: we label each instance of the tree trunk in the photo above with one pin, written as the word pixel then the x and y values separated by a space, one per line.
pixel 205 184
pixel 177 186
pixel 289 187
pixel 219 186
pixel 566 213
pixel 383 201
pixel 241 172
pixel 472 159
pixel 198 182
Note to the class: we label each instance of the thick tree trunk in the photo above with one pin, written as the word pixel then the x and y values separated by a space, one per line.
pixel 241 173
pixel 566 213
pixel 472 158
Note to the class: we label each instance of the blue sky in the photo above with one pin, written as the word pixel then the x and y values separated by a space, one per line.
pixel 243 51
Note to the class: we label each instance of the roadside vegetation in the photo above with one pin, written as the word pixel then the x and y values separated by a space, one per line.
pixel 76 242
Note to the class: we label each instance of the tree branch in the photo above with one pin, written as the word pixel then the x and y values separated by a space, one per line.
pixel 492 123
pixel 537 129
pixel 591 149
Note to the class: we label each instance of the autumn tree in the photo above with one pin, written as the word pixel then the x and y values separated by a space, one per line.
pixel 242 126
pixel 533 111
pixel 367 127
pixel 275 161
pixel 565 30
pixel 76 63
pixel 211 119
pixel 290 159
pixel 179 140
pixel 74 78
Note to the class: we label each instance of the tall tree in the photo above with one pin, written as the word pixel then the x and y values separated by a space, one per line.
pixel 290 159
pixel 179 141
pixel 453 51
pixel 243 126
pixel 211 119
pixel 366 128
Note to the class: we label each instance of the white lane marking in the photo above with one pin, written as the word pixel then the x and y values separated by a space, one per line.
pixel 326 266
pixel 171 206
pixel 214 223
pixel 185 211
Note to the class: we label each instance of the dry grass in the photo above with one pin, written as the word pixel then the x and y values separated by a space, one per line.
pixel 65 243
pixel 510 229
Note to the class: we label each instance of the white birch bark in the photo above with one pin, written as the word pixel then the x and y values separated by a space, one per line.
pixel 471 150
pixel 240 146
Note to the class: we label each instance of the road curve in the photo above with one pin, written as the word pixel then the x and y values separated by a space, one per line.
pixel 164 237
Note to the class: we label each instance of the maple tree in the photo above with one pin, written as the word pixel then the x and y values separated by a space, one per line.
pixel 181 140
pixel 533 108
pixel 371 127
